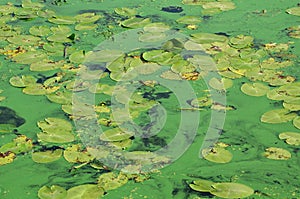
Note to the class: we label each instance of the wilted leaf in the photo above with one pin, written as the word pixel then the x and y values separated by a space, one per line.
pixel 277 153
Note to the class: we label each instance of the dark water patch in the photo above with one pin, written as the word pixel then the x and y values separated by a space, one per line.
pixel 172 9
pixel 9 117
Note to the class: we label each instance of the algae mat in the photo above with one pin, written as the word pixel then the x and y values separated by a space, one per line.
pixel 149 99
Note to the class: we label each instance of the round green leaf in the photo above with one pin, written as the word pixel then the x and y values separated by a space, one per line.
pixel 62 20
pixel 53 192
pixel 135 22
pixel 217 154
pixel 275 153
pixel 24 40
pixel 110 180
pixel 296 122
pixel 46 65
pixel 152 37
pixel 85 191
pixel 60 97
pixel 294 11
pixel 189 20
pixel 115 134
pixel 156 27
pixel 202 185
pixel 126 11
pixel 29 57
pixel 254 89
pixel 220 84
pixel 88 17
pixel 23 81
pixel 290 138
pixel 277 116
pixel 74 154
pixel 231 190
pixel 46 156
pixel 39 30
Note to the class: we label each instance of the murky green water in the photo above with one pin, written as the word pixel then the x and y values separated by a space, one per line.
pixel 246 135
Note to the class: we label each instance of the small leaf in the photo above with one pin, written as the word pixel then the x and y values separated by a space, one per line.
pixel 53 192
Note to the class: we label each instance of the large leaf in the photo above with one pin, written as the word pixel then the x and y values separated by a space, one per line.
pixel 276 153
pixel 109 181
pixel 115 134
pixel 255 89
pixel 46 156
pixel 85 191
pixel 231 190
pixel 291 138
pixel 53 192
pixel 277 116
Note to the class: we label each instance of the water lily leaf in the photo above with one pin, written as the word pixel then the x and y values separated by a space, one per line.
pixel 231 190
pixel 271 63
pixel 88 17
pixel 254 89
pixel 224 5
pixel 46 65
pixel 85 191
pixel 60 97
pixel 156 27
pixel 54 47
pixel 294 32
pixel 23 81
pixel 75 154
pixel 110 180
pixel 241 41
pixel 83 26
pixel 290 138
pixel 294 11
pixel 220 84
pixel 77 57
pixel 189 20
pixel 201 102
pixel 24 40
pixel 126 11
pixel 121 144
pixel 6 158
pixel 292 103
pixel 46 13
pixel 46 156
pixel 77 85
pixel 182 66
pixel 32 5
pixel 279 80
pixel 277 116
pixel 53 192
pixel 55 130
pixel 39 30
pixel 39 89
pixel 275 153
pixel 62 20
pixel 60 30
pixel 296 122
pixel 29 57
pixel 217 154
pixel 101 88
pixel 170 75
pixel 135 22
pixel 147 68
pixel 103 56
pixel 291 88
pixel 115 134
pixel 276 94
pixel 60 38
pixel 152 37
pixel 157 56
pixel 204 38
pixel 20 144
pixel 202 185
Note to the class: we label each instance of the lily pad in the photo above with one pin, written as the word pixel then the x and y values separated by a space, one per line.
pixel 88 17
pixel 170 75
pixel 220 84
pixel 75 154
pixel 222 5
pixel 294 11
pixel 83 26
pixel 255 89
pixel 156 27
pixel 39 89
pixel 39 30
pixel 46 65
pixel 277 116
pixel 231 190
pixel 53 192
pixel 6 158
pixel 103 56
pixel 292 103
pixel 29 57
pixel 201 102
pixel 275 153
pixel 157 56
pixel 21 144
pixel 60 38
pixel 208 38
pixel 217 154
pixel 189 20
pixel 126 11
pixel 24 40
pixel 202 185
pixel 152 37
pixel 60 97
pixel 296 122
pixel 241 41
pixel 85 191
pixel 23 81
pixel 77 57
pixel 62 20
pixel 290 138
pixel 55 130
pixel 135 22
pixel 115 134
pixel 110 180
pixel 46 156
